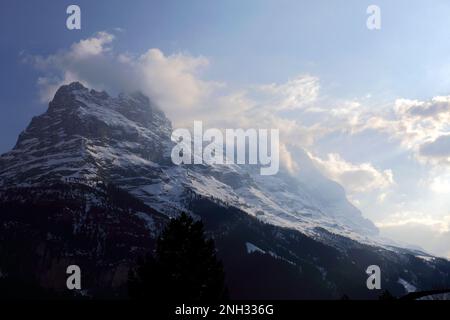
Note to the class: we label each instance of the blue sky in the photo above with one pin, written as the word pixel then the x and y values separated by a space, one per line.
pixel 367 84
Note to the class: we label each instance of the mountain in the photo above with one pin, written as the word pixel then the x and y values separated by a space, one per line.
pixel 87 135
pixel 91 182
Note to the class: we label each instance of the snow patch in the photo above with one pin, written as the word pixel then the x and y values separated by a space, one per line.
pixel 149 222
pixel 408 286
pixel 252 248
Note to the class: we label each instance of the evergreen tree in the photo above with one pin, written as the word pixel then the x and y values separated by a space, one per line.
pixel 184 266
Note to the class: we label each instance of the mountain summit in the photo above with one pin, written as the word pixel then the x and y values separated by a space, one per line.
pixel 88 135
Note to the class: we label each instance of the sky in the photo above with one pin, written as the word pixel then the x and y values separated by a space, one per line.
pixel 371 107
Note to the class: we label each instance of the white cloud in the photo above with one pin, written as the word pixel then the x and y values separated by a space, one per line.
pixel 441 225
pixel 438 181
pixel 171 81
pixel 354 177
pixel 293 94
pixel 382 197
pixel 421 127
pixel 92 46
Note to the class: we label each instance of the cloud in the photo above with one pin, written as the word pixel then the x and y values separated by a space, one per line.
pixel 170 80
pixel 420 126
pixel 381 197
pixel 429 232
pixel 85 49
pixel 441 225
pixel 354 177
pixel 438 181
pixel 91 46
pixel 438 149
pixel 293 94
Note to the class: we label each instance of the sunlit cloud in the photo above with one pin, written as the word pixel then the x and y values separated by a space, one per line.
pixel 354 177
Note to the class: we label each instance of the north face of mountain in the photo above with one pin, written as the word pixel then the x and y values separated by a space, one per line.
pixel 87 135
pixel 90 182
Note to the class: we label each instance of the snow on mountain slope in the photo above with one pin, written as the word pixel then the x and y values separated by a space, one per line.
pixel 87 135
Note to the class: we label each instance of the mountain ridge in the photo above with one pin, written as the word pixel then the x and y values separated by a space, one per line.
pixel 126 141
pixel 90 182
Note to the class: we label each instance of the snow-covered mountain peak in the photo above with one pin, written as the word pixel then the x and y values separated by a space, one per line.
pixel 125 140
